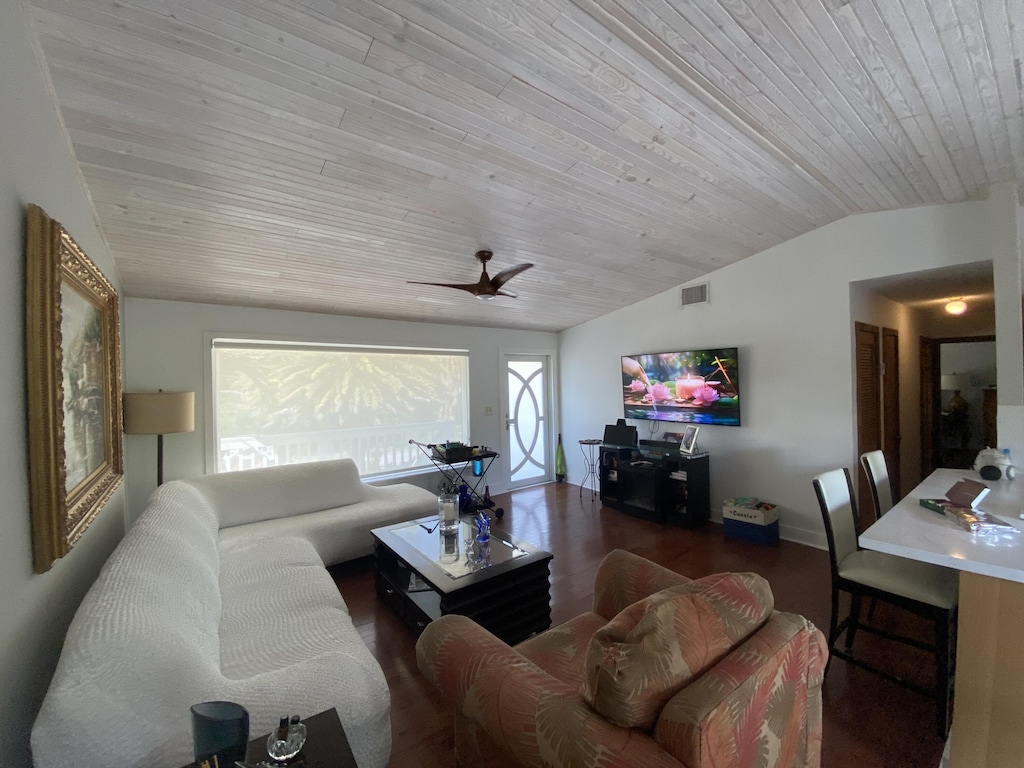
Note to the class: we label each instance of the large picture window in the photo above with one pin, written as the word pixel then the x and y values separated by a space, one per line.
pixel 289 403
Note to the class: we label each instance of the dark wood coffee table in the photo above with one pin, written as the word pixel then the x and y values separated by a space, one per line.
pixel 422 575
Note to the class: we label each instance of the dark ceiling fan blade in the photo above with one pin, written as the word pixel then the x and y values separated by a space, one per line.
pixel 486 287
pixel 507 274
pixel 473 288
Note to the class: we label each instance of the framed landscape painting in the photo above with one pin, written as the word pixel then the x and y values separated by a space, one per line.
pixel 73 375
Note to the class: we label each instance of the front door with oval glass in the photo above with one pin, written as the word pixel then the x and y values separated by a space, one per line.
pixel 527 436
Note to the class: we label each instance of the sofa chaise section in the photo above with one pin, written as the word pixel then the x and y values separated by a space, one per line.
pixel 324 502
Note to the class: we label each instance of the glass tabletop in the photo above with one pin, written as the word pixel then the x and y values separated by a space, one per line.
pixel 452 551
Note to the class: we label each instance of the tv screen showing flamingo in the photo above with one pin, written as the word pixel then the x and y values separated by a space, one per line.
pixel 696 387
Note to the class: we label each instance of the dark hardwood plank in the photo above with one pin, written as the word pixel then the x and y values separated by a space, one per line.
pixel 869 722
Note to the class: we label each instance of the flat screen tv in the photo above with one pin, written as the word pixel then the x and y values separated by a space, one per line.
pixel 701 386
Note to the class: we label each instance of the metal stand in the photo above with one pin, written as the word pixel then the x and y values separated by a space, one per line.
pixel 452 471
pixel 590 464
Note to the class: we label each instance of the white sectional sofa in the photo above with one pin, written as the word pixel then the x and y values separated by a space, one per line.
pixel 219 591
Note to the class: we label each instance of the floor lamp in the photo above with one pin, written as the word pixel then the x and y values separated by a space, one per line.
pixel 159 413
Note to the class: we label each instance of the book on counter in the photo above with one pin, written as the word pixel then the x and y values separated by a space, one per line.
pixel 967 493
pixel 973 520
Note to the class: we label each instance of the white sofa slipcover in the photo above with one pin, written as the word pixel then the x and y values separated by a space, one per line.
pixel 323 502
pixel 187 610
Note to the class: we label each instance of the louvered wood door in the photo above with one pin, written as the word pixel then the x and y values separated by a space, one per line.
pixel 929 357
pixel 869 411
pixel 891 438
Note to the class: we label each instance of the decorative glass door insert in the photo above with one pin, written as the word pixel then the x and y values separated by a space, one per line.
pixel 526 420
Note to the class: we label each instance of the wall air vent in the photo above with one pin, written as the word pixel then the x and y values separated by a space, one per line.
pixel 696 294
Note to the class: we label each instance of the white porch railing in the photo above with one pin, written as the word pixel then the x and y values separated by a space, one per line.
pixel 376 451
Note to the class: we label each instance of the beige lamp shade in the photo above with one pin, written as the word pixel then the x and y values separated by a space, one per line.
pixel 159 413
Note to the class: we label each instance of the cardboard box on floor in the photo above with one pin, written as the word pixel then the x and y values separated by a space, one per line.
pixel 749 509
pixel 750 519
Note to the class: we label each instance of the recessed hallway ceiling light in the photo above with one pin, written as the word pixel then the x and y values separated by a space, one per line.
pixel 956 306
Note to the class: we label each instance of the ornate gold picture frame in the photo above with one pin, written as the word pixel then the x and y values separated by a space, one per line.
pixel 73 374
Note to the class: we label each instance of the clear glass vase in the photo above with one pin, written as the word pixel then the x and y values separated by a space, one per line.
pixel 284 749
pixel 448 512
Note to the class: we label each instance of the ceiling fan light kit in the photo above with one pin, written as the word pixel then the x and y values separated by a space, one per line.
pixel 486 287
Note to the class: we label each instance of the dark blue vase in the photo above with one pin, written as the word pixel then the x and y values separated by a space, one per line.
pixel 220 728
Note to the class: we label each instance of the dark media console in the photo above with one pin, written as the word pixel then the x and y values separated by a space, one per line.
pixel 656 482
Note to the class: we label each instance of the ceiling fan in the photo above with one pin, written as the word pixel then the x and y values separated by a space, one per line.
pixel 486 287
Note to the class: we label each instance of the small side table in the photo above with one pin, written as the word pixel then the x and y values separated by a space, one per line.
pixel 590 464
pixel 326 744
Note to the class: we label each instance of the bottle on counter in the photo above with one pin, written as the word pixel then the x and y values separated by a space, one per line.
pixel 1008 469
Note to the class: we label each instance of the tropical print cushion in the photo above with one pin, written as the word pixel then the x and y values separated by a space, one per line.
pixel 623 578
pixel 562 651
pixel 653 648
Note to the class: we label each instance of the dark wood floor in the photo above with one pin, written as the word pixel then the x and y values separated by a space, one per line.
pixel 868 722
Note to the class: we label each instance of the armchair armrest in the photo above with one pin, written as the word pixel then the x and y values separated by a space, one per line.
pixel 623 578
pixel 767 691
pixel 526 712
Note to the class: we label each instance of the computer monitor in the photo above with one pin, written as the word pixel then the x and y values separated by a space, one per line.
pixel 620 434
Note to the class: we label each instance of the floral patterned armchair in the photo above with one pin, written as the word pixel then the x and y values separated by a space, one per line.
pixel 664 671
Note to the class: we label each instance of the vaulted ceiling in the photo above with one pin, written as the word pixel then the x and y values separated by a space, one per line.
pixel 318 154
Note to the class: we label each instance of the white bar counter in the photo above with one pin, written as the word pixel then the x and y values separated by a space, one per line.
pixel 909 530
pixel 988 706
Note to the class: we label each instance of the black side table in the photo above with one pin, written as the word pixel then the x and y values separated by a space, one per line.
pixel 590 464
pixel 326 744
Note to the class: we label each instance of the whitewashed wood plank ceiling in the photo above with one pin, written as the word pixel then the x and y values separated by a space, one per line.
pixel 317 154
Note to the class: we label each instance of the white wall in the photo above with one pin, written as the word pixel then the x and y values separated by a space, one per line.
pixel 1006 223
pixel 165 347
pixel 35 167
pixel 789 310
